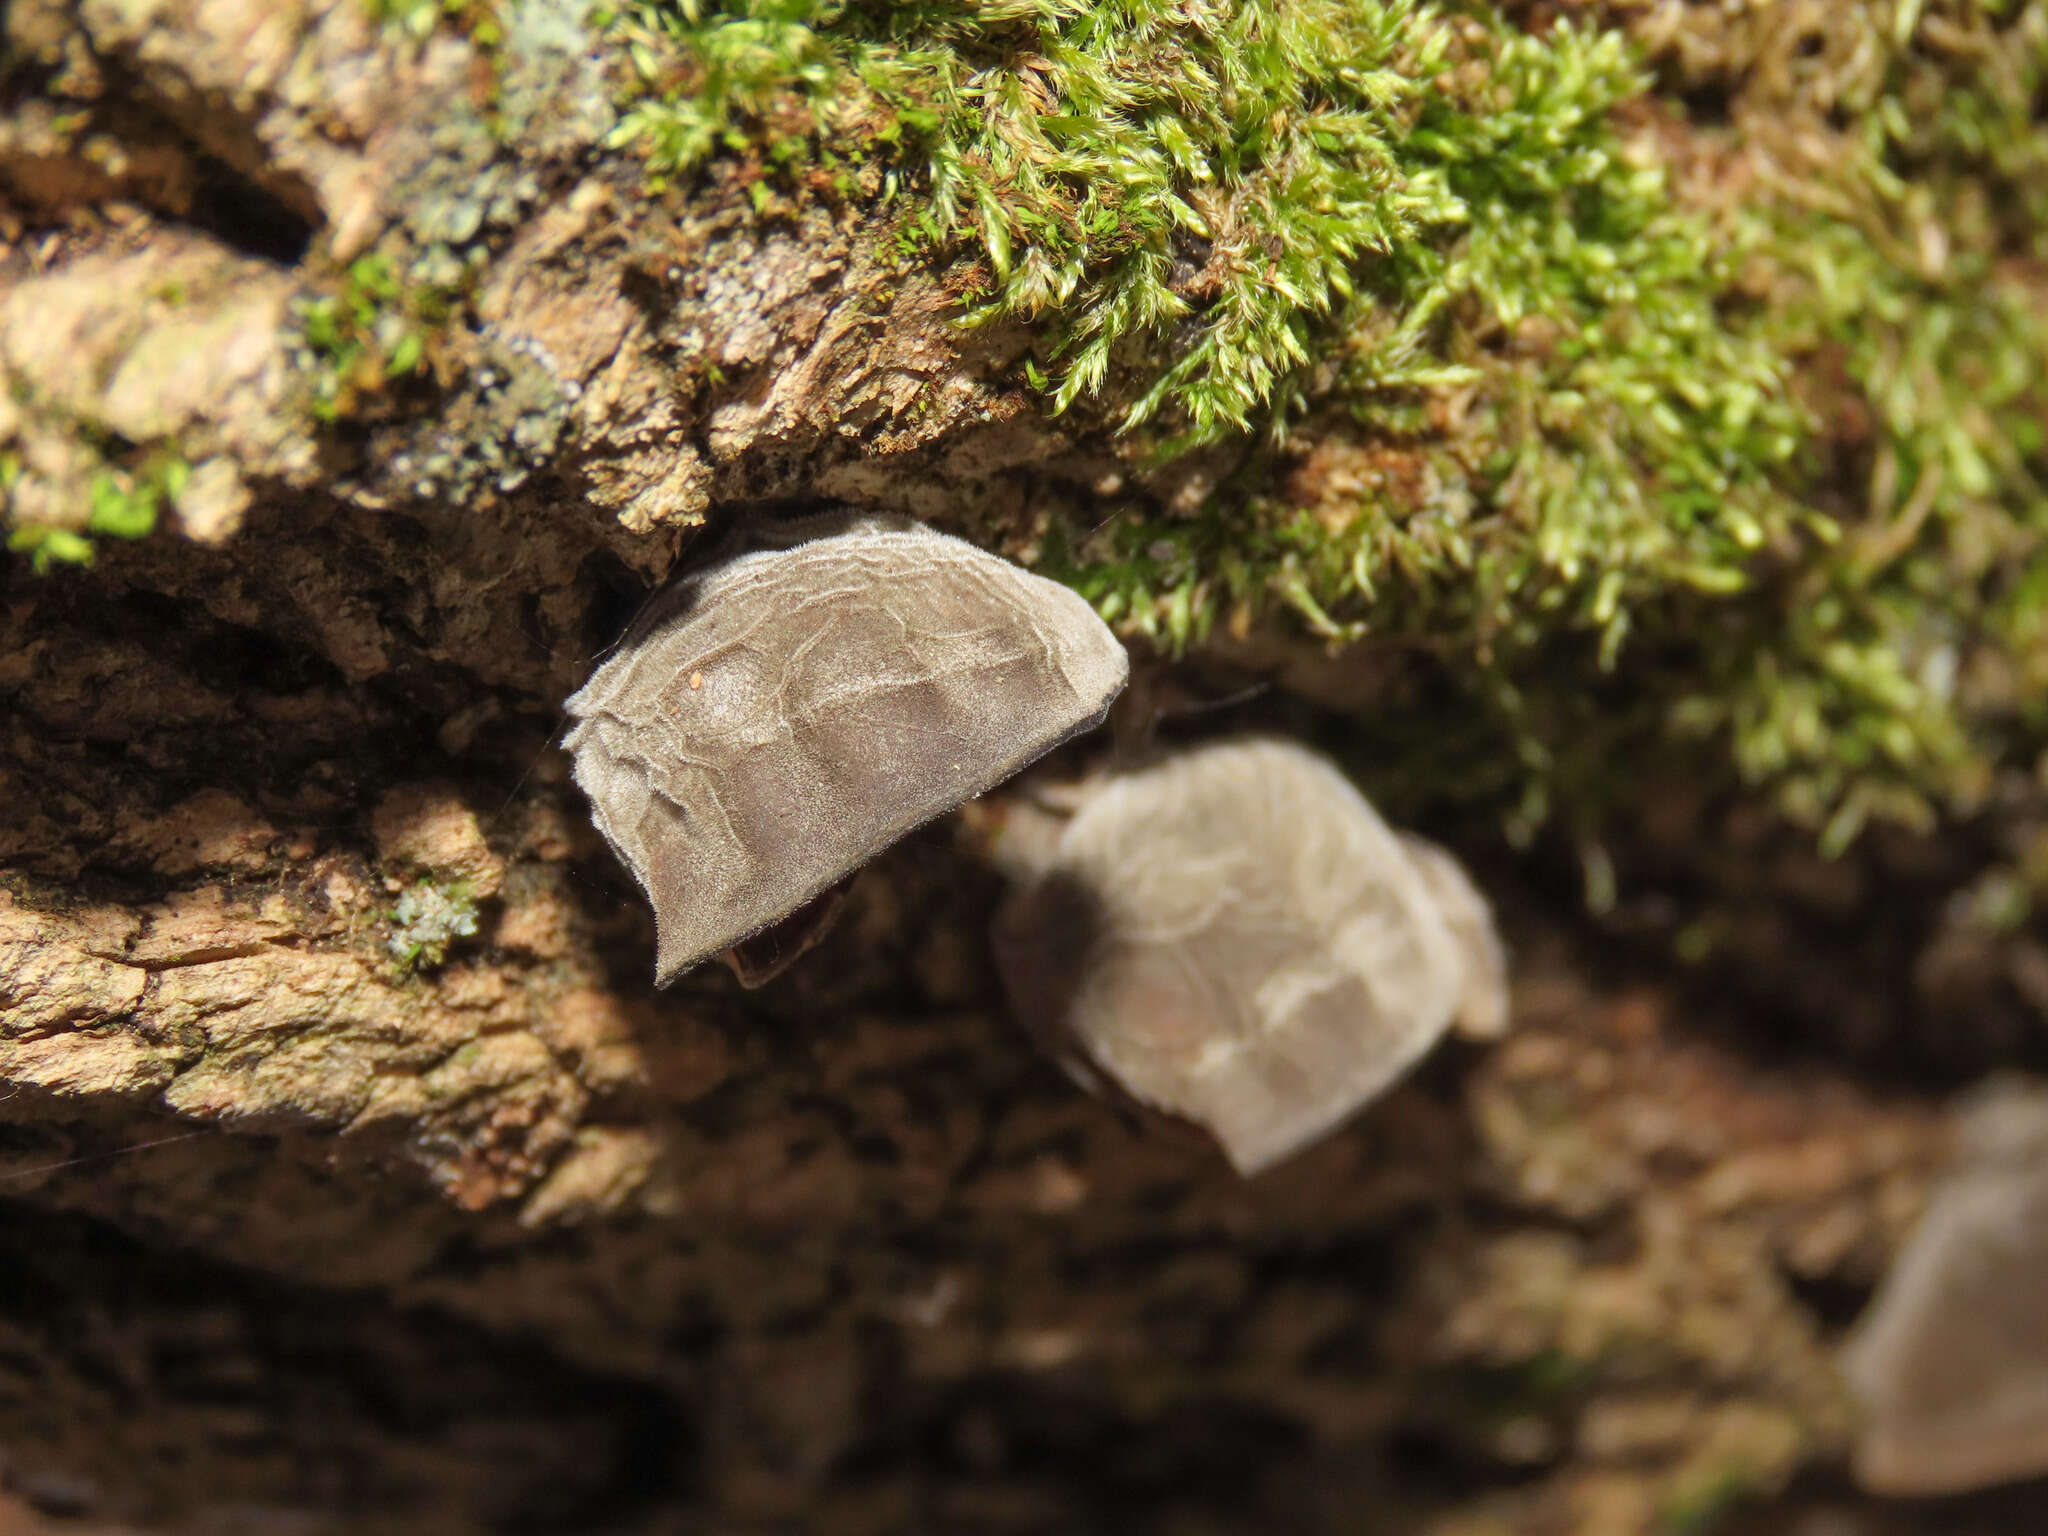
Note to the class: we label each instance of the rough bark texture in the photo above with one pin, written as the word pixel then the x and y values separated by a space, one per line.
pixel 355 1177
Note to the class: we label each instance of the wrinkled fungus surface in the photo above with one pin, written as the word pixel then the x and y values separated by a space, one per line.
pixel 1235 937
pixel 775 720
pixel 1950 1364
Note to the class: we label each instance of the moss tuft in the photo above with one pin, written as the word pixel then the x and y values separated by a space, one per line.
pixel 420 19
pixel 1640 433
pixel 370 332
pixel 121 504
pixel 1182 192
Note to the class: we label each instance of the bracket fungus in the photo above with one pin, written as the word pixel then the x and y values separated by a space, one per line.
pixel 774 720
pixel 1234 937
pixel 1950 1362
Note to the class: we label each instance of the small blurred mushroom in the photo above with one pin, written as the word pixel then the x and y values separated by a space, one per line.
pixel 1234 937
pixel 777 718
pixel 1949 1364
pixel 1483 1005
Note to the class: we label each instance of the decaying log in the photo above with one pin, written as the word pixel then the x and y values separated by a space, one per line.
pixel 352 1174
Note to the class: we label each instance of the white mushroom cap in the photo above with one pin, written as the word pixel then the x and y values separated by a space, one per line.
pixel 1235 937
pixel 777 719
pixel 1950 1362
pixel 1483 1005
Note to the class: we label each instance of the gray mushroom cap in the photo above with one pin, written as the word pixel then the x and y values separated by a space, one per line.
pixel 1949 1363
pixel 1483 1005
pixel 775 720
pixel 1236 938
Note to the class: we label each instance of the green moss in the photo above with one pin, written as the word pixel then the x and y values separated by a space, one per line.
pixel 395 333
pixel 47 547
pixel 1625 465
pixel 1183 191
pixel 1894 672
pixel 373 330
pixel 420 19
pixel 1712 1506
pixel 122 504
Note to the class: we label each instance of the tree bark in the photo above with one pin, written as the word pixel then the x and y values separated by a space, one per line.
pixel 354 1175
